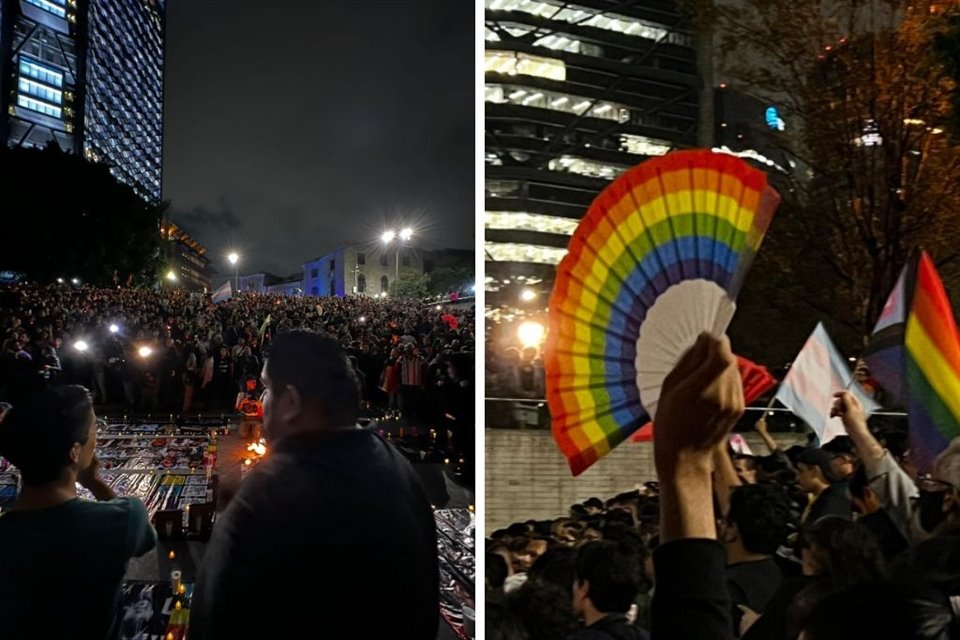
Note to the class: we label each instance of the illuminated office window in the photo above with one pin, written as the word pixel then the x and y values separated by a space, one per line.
pixel 35 105
pixel 643 146
pixel 513 63
pixel 556 101
pixel 522 221
pixel 586 167
pixel 43 73
pixel 37 90
pixel 587 16
pixel 56 7
pixel 515 252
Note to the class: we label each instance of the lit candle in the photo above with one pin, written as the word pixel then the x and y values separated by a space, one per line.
pixel 170 635
pixel 178 606
pixel 172 555
pixel 183 589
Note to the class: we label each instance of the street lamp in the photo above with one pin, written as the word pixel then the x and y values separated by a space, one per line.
pixel 234 259
pixel 114 328
pixel 404 235
pixel 145 351
pixel 80 345
pixel 171 276
pixel 528 295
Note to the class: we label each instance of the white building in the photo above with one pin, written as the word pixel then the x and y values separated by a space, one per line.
pixel 359 268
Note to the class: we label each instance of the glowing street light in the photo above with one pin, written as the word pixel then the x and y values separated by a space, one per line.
pixel 233 258
pixel 144 351
pixel 527 295
pixel 531 333
pixel 404 235
pixel 171 276
pixel 114 328
pixel 59 280
pixel 362 319
pixel 80 345
pixel 75 280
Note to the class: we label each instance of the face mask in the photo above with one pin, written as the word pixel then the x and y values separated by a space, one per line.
pixel 931 509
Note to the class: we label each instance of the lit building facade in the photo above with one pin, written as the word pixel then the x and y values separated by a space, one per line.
pixel 186 258
pixel 87 75
pixel 359 268
pixel 575 94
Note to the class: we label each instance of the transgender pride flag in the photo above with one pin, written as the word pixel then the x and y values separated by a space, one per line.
pixel 914 353
pixel 223 292
pixel 817 373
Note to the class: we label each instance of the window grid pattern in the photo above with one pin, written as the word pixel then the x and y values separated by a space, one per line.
pixel 124 104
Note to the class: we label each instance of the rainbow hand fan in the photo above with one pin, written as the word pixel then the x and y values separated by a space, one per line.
pixel 659 258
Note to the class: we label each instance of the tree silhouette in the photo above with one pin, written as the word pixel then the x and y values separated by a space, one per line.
pixel 868 99
pixel 67 217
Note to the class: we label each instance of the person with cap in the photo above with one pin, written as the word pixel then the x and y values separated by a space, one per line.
pixel 829 495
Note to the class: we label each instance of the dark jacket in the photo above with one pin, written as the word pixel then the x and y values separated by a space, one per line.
pixel 612 627
pixel 691 599
pixel 331 535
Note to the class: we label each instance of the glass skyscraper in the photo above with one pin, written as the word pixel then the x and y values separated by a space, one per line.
pixel 575 93
pixel 87 75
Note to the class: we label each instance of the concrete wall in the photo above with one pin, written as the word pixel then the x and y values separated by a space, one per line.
pixel 526 477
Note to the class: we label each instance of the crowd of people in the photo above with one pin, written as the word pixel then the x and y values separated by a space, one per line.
pixel 174 352
pixel 331 500
pixel 842 541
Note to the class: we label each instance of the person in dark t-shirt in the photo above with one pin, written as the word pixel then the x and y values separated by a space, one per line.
pixel 62 558
pixel 756 524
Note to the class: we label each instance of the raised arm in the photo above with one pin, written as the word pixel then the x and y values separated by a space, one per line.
pixel 702 399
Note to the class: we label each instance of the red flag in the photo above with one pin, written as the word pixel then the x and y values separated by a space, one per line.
pixel 451 321
pixel 756 382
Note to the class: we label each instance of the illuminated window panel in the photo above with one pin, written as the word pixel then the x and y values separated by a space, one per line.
pixel 529 222
pixel 41 91
pixel 555 101
pixel 35 105
pixel 37 71
pixel 586 16
pixel 513 63
pixel 55 7
pixel 515 252
pixel 643 146
pixel 586 167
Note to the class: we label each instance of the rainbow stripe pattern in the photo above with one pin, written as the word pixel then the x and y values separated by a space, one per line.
pixel 914 353
pixel 687 215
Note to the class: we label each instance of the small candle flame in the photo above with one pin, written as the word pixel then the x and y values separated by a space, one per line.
pixel 172 555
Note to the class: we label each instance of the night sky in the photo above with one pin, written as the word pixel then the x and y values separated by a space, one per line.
pixel 292 126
